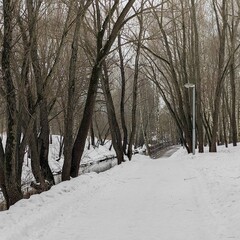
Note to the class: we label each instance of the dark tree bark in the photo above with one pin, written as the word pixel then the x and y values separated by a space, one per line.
pixel 92 135
pixel 35 162
pixel 13 190
pixel 233 33
pixel 123 91
pixel 233 118
pixel 224 124
pixel 112 119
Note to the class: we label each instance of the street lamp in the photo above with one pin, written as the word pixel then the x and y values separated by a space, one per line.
pixel 191 85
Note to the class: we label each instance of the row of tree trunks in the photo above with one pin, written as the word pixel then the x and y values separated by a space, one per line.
pixel 23 127
pixel 180 62
pixel 179 97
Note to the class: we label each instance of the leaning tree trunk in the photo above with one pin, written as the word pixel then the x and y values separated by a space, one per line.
pixel 112 119
pixel 79 144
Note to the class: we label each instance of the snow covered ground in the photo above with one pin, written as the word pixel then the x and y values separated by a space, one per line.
pixel 183 197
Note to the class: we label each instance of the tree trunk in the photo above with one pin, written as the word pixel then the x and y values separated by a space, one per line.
pixel 224 122
pixel 13 190
pixel 135 87
pixel 220 74
pixel 233 105
pixel 92 135
pixel 123 90
pixel 112 119
pixel 35 161
pixel 79 144
pixel 233 119
pixel 68 134
pixel 43 143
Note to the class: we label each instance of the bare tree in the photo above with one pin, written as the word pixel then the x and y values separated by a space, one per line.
pixel 135 84
pixel 103 49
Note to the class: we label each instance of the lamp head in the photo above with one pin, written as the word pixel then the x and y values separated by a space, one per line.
pixel 189 85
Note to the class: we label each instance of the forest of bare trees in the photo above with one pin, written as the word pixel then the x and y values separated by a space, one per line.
pixel 113 70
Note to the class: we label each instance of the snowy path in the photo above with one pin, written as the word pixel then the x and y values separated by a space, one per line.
pixel 161 199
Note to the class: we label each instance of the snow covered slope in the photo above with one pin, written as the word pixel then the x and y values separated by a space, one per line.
pixel 183 197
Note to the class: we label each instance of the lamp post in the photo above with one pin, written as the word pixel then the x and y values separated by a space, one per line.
pixel 191 85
